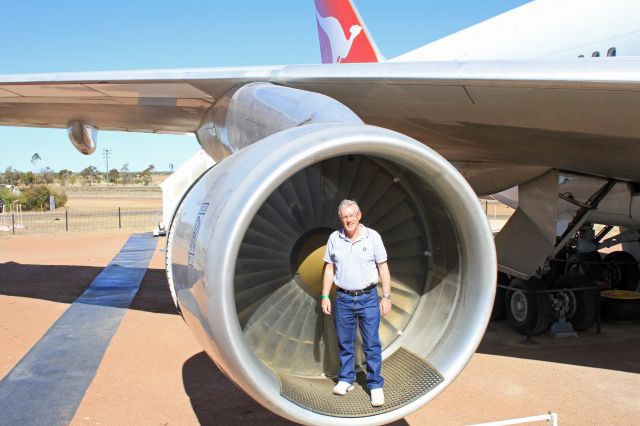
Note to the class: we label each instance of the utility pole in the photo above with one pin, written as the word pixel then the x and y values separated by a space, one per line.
pixel 106 153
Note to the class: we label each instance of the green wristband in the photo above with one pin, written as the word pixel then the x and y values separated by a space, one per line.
pixel 324 296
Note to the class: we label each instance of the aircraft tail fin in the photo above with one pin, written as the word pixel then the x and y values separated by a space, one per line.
pixel 343 36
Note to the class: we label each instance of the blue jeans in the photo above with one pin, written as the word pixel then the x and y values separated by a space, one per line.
pixel 364 309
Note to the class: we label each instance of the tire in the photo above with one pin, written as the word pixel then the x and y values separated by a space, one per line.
pixel 624 270
pixel 576 265
pixel 582 315
pixel 499 309
pixel 621 305
pixel 519 311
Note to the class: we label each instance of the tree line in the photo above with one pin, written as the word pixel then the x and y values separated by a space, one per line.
pixel 34 193
pixel 88 176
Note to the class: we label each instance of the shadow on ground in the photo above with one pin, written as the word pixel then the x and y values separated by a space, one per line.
pixel 64 284
pixel 217 401
pixel 615 348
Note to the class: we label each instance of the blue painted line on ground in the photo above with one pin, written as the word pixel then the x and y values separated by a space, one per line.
pixel 47 385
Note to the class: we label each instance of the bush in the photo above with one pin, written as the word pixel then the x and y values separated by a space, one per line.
pixel 7 196
pixel 61 198
pixel 37 197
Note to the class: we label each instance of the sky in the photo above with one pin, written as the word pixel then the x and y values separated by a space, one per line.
pixel 43 36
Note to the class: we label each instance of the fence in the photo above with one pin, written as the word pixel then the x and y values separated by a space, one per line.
pixel 15 223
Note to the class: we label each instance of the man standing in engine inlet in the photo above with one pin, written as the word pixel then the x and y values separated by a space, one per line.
pixel 354 258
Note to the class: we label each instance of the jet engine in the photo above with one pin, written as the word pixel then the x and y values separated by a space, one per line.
pixel 244 261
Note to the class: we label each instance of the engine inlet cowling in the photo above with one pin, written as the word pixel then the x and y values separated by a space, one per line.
pixel 245 261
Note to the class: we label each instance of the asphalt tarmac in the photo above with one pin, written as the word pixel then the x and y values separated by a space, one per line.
pixel 154 372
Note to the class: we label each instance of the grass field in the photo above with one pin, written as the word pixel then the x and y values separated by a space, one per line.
pixel 94 203
pixel 112 197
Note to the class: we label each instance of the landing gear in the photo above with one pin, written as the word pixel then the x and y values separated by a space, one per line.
pixel 623 272
pixel 567 292
pixel 528 312
pixel 578 307
pixel 585 264
pixel 619 269
pixel 552 236
pixel 531 309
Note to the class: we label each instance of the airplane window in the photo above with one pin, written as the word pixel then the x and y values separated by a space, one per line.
pixel 595 54
pixel 611 51
pixel 580 56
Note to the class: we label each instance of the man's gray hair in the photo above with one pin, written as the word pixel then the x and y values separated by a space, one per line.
pixel 347 203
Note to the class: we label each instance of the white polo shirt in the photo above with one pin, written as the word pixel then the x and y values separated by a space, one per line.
pixel 355 263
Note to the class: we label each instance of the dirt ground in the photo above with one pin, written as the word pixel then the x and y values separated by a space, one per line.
pixel 154 372
pixel 112 197
pixel 40 276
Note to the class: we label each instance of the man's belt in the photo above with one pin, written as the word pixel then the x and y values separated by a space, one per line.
pixel 356 292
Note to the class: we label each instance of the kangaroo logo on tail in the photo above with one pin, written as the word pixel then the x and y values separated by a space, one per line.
pixel 339 45
pixel 333 18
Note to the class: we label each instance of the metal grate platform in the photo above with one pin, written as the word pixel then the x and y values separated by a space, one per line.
pixel 407 377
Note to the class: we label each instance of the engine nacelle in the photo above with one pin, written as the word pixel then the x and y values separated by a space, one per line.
pixel 245 261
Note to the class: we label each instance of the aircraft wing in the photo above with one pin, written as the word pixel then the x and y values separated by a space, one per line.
pixel 562 114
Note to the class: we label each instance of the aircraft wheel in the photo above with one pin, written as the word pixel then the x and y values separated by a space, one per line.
pixel 579 264
pixel 621 305
pixel 624 270
pixel 583 303
pixel 521 310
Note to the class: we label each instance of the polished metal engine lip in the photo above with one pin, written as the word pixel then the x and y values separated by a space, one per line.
pixel 282 155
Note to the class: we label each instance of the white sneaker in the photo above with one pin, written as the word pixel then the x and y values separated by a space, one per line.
pixel 377 397
pixel 342 388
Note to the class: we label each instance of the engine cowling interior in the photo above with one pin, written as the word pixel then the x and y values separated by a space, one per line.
pixel 279 267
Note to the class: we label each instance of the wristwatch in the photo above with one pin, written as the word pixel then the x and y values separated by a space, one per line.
pixel 387 296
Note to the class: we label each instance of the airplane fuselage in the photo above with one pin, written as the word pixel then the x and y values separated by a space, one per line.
pixel 544 29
